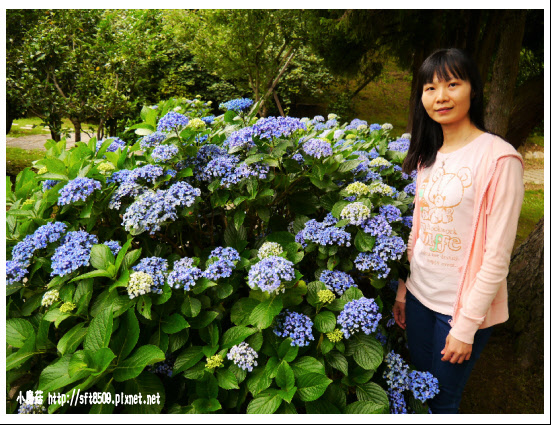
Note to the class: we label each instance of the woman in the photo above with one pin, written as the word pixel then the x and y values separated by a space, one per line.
pixel 468 199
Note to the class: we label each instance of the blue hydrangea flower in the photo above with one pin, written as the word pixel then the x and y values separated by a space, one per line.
pixel 359 316
pixel 164 153
pixel 269 274
pixel 396 372
pixel 152 140
pixel 184 274
pixel 390 213
pixel 77 190
pixel 408 221
pixel 243 356
pixel 397 402
pixel 228 253
pixel 337 281
pixel 296 326
pixel 337 134
pixel 375 127
pixel 172 121
pixel 393 284
pixel 115 144
pixel 240 139
pixel 381 337
pixel 318 118
pixel 400 145
pixel 317 148
pixel 15 272
pixel 410 188
pixel 324 233
pixel 271 127
pixel 157 268
pixel 163 368
pixel 237 105
pixel 390 247
pixel 219 269
pixel 372 262
pixel 298 157
pixel 73 253
pixel 377 226
pixel 118 176
pixel 373 153
pixel 48 233
pixel 48 184
pixel 32 408
pixel 132 183
pixel 114 246
pixel 355 123
pixel 208 120
pixel 423 385
pixel 182 194
pixel 391 321
pixel 331 123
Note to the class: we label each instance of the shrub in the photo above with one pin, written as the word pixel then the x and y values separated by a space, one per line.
pixel 251 269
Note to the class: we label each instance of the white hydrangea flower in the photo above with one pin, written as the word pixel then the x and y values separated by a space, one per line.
pixel 105 166
pixel 362 127
pixel 378 187
pixel 269 249
pixel 406 136
pixel 356 212
pixel 196 124
pixel 387 126
pixel 332 116
pixel 50 297
pixel 379 162
pixel 357 188
pixel 140 284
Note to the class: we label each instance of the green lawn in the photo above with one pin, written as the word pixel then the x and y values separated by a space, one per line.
pixel 17 130
pixel 530 214
pixel 17 159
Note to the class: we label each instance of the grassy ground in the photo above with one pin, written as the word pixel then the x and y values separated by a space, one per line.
pixel 17 130
pixel 17 159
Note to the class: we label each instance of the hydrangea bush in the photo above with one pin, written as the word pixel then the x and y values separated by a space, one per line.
pixel 228 264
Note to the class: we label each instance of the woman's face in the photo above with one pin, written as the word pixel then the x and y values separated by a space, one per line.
pixel 447 102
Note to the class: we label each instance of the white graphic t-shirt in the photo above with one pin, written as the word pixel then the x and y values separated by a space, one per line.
pixel 447 199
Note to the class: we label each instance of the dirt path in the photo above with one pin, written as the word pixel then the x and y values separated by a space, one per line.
pixel 36 141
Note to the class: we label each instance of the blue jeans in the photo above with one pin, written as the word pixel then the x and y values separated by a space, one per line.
pixel 426 333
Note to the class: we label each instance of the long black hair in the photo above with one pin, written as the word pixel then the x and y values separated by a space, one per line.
pixel 426 134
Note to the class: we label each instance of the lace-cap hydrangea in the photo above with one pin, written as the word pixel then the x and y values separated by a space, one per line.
pixel 164 153
pixel 184 274
pixel 296 326
pixel 359 316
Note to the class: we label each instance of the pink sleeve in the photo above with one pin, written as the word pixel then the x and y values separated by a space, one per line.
pixel 502 220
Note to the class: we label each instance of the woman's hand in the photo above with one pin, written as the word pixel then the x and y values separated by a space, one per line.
pixel 456 351
pixel 399 311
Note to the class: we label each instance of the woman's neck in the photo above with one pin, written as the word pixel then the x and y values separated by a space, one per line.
pixel 458 135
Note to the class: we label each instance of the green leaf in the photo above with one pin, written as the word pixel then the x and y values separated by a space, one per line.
pixel 56 376
pixel 207 387
pixel 99 331
pixel 285 378
pixel 204 319
pixel 203 405
pixel 363 408
pixel 175 323
pixel 352 293
pixel 236 335
pixel 18 331
pixel 188 358
pixel 369 352
pixel 239 218
pixel 364 242
pixel 122 281
pixel 130 258
pixel 242 309
pixel 144 306
pixel 264 405
pixel 313 289
pixel 226 379
pixel 191 306
pixel 101 257
pixel 16 359
pixel 83 295
pixel 121 254
pixel 307 364
pixel 144 385
pixel 258 381
pixel 134 365
pixel 264 313
pixel 337 361
pixel 372 392
pixel 286 351
pixel 72 339
pixel 127 335
pixel 95 273
pixel 337 208
pixel 311 386
pixel 325 321
pixel 101 360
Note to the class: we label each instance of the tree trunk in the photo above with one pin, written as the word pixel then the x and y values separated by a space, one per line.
pixel 418 58
pixel 504 72
pixel 276 98
pixel 526 298
pixel 527 111
pixel 54 122
pixel 486 46
pixel 77 126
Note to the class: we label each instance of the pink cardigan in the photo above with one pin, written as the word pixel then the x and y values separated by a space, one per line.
pixel 481 299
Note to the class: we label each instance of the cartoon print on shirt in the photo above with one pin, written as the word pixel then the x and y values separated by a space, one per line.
pixel 444 193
